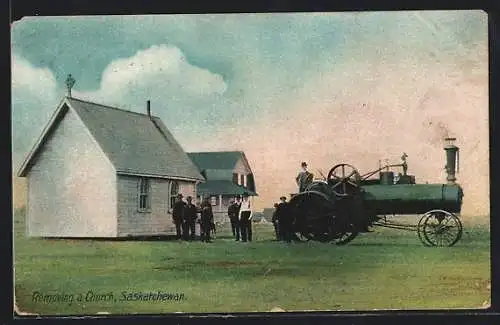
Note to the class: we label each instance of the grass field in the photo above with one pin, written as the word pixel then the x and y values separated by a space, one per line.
pixel 386 269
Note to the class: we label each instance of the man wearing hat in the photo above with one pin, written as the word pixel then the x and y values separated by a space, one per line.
pixel 233 211
pixel 304 178
pixel 276 223
pixel 206 219
pixel 190 216
pixel 284 220
pixel 178 215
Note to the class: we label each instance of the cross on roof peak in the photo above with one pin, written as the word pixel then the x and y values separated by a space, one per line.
pixel 70 82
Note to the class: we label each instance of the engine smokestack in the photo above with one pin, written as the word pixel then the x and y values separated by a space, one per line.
pixel 452 159
pixel 148 108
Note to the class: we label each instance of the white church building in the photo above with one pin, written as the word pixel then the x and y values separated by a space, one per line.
pixel 99 171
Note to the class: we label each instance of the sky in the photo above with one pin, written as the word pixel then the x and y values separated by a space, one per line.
pixel 324 88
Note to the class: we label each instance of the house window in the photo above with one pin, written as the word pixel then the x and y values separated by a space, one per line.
pixel 242 180
pixel 214 200
pixel 174 190
pixel 250 182
pixel 144 195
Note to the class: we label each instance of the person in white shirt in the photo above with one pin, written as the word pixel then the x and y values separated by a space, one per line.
pixel 245 218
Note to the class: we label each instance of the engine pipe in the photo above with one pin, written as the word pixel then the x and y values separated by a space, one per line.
pixel 452 160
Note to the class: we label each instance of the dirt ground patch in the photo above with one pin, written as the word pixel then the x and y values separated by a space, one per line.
pixel 220 264
pixel 231 263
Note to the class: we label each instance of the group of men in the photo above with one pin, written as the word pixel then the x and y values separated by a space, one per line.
pixel 185 215
pixel 240 215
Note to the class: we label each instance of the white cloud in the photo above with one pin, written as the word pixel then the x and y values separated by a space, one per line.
pixel 181 93
pixel 38 81
pixel 33 101
pixel 157 72
pixel 160 73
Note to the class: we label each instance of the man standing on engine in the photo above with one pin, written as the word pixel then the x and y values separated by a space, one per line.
pixel 304 178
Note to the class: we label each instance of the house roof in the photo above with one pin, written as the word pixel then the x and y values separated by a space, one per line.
pixel 216 159
pixel 222 187
pixel 133 142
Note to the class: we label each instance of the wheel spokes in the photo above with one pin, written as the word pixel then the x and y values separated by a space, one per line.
pixel 441 228
pixel 336 185
pixel 349 179
pixel 335 177
pixel 353 184
pixel 351 174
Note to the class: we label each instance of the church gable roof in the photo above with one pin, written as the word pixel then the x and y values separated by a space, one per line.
pixel 133 142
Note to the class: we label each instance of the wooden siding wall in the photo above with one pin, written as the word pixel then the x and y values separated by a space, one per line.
pixel 71 187
pixel 187 189
pixel 241 168
pixel 158 221
pixel 220 213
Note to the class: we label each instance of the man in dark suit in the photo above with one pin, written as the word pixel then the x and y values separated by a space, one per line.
pixel 233 212
pixel 304 178
pixel 190 216
pixel 284 220
pixel 276 223
pixel 206 219
pixel 177 215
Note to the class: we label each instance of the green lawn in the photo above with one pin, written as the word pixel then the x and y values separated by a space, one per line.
pixel 386 269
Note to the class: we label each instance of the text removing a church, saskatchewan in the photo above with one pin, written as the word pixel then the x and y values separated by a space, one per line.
pixel 108 297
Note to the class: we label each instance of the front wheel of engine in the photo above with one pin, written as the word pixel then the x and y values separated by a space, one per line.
pixel 439 228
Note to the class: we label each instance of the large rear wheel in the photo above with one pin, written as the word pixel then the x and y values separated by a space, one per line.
pixel 310 212
pixel 346 237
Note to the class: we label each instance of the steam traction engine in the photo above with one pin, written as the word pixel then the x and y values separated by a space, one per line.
pixel 345 203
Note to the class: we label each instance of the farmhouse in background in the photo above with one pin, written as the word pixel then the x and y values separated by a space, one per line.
pixel 227 175
pixel 268 214
pixel 100 171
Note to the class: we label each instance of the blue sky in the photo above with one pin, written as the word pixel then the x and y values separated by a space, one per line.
pixel 273 85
